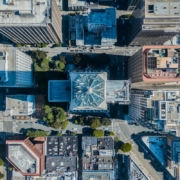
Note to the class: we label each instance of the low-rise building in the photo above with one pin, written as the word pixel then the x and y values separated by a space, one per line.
pixel 25 156
pixel 89 92
pixel 20 106
pixel 98 158
pixel 96 28
pixel 16 68
pixel 156 109
pixel 61 157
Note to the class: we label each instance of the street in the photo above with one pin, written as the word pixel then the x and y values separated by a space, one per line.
pixel 141 157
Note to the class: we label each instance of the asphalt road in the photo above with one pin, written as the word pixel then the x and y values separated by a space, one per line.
pixel 124 131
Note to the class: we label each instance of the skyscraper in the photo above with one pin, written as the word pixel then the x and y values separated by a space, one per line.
pixel 154 65
pixel 30 21
pixel 154 22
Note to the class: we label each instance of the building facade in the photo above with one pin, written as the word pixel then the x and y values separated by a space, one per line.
pixel 156 109
pixel 155 65
pixel 89 92
pixel 154 22
pixel 31 22
pixel 16 68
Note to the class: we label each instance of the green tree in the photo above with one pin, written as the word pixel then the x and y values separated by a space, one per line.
pixel 98 133
pixel 81 121
pixel 73 133
pixel 126 147
pixel 43 45
pixel 44 65
pixel 95 123
pixel 106 122
pixel 64 124
pixel 58 45
pixel 116 139
pixel 36 133
pixel 60 66
pixel 38 55
pixel 1 175
pixel 18 45
pixel 10 168
pixel 59 133
pixel 38 45
pixel 76 122
pixel 1 162
pixel 111 133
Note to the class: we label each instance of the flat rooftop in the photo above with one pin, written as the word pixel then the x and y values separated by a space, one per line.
pixel 161 8
pixel 61 146
pixel 24 12
pixel 61 164
pixel 20 104
pixel 117 91
pixel 59 91
pixel 22 158
pixel 98 175
pixel 3 66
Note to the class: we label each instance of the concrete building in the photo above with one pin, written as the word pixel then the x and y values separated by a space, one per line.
pixel 156 109
pixel 25 156
pixel 61 157
pixel 30 21
pixel 98 158
pixel 155 65
pixel 96 28
pixel 173 155
pixel 154 22
pixel 20 106
pixel 88 92
pixel 16 68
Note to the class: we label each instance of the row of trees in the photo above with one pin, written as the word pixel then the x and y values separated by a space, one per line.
pixel 39 45
pixel 36 133
pixel 93 122
pixel 55 117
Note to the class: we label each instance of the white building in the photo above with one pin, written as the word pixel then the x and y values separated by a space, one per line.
pixel 156 109
pixel 20 105
pixel 15 68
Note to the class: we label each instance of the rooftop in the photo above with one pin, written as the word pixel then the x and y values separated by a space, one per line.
pixel 98 27
pixel 117 91
pixel 98 175
pixel 61 164
pixel 24 12
pixel 59 91
pixel 88 91
pixel 161 63
pixel 61 146
pixel 17 105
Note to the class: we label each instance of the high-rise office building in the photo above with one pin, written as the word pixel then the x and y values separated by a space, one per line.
pixel 16 68
pixel 154 22
pixel 30 21
pixel 156 109
pixel 155 65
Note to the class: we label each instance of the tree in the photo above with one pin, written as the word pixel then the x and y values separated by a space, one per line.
pixel 1 162
pixel 18 45
pixel 111 133
pixel 76 122
pixel 44 64
pixel 106 122
pixel 73 133
pixel 43 45
pixel 38 55
pixel 126 147
pixel 59 133
pixel 98 133
pixel 95 123
pixel 58 45
pixel 59 65
pixel 10 168
pixel 1 175
pixel 64 124
pixel 81 121
pixel 36 133
pixel 116 139
pixel 38 45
